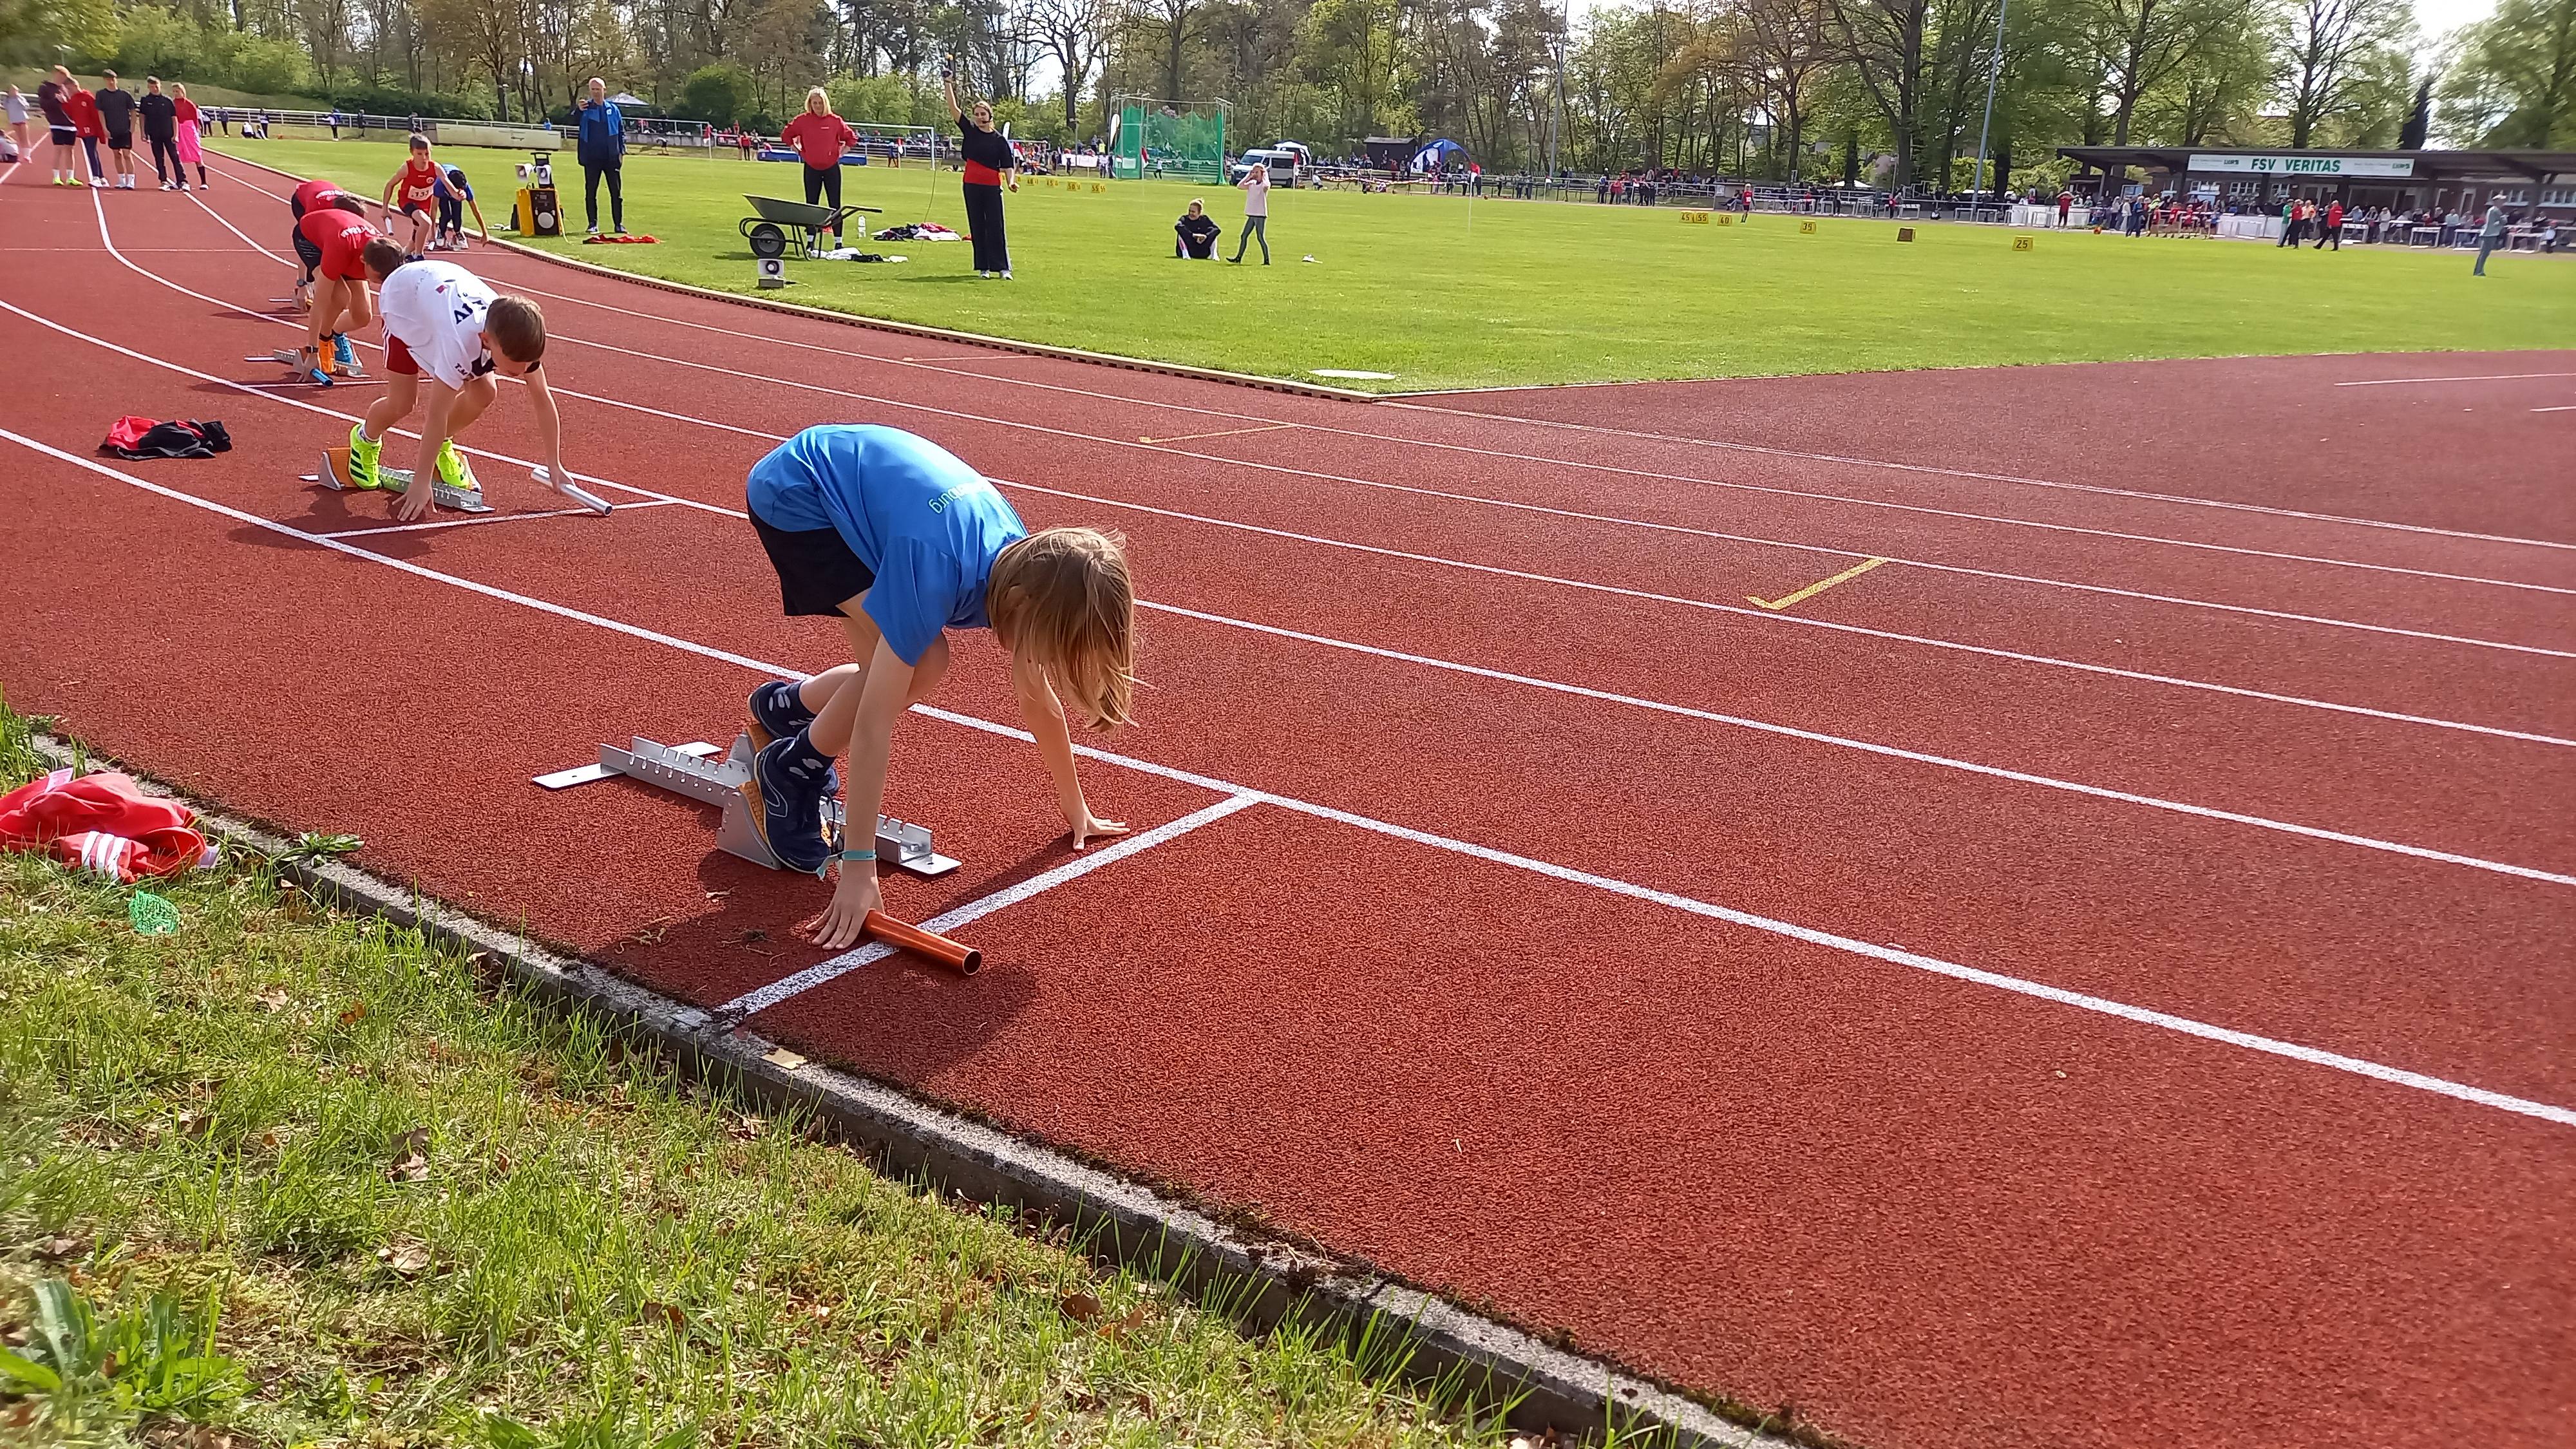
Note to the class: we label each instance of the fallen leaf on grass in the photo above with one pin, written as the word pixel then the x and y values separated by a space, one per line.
pixel 1134 1318
pixel 54 1250
pixel 406 1258
pixel 1080 1307
pixel 356 1013
pixel 196 1124
pixel 666 1315
pixel 411 1156
pixel 747 1126
pixel 274 998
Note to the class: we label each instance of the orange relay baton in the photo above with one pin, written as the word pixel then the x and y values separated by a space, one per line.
pixel 886 928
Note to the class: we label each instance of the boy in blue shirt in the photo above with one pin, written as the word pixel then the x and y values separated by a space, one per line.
pixel 901 541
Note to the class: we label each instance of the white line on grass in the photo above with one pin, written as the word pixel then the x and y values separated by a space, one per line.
pixel 790 987
pixel 2398 1076
pixel 928 364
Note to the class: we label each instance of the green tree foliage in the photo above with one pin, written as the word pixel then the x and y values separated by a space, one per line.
pixel 2514 84
pixel 721 92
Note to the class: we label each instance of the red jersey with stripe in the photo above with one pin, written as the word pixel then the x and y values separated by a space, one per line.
pixel 341 236
pixel 418 187
pixel 315 196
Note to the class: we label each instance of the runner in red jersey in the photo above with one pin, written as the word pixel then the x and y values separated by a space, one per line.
pixel 340 302
pixel 316 195
pixel 413 194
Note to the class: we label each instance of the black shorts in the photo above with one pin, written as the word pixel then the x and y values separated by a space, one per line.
pixel 817 572
pixel 65 136
pixel 120 140
pixel 309 252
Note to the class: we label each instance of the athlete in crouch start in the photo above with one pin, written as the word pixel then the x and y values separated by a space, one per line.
pixel 442 320
pixel 901 541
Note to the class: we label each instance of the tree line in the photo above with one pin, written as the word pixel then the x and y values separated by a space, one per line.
pixel 1886 91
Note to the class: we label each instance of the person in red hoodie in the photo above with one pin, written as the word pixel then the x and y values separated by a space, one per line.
pixel 2332 231
pixel 820 137
pixel 83 108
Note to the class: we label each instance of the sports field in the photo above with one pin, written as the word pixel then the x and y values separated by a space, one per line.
pixel 1443 293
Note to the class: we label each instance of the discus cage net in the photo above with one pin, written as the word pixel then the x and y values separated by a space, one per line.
pixel 1181 140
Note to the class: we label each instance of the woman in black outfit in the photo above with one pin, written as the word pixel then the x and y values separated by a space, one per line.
pixel 989 164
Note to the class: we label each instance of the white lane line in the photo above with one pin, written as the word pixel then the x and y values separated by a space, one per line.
pixel 1893 752
pixel 484 522
pixel 735 513
pixel 2483 377
pixel 2570 408
pixel 1798 620
pixel 1936 470
pixel 655 499
pixel 926 364
pixel 787 988
pixel 2336 1061
pixel 1471 498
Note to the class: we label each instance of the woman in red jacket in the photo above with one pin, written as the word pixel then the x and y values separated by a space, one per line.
pixel 819 138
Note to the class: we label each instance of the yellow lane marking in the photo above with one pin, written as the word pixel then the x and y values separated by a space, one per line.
pixel 1228 433
pixel 1818 587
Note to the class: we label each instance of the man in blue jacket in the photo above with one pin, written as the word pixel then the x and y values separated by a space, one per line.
pixel 602 149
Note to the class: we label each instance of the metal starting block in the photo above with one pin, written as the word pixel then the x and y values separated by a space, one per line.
pixel 289 357
pixel 335 476
pixel 704 773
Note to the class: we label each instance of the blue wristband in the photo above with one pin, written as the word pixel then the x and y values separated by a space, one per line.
pixel 858 855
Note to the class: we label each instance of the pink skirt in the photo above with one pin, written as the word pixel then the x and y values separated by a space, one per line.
pixel 185 138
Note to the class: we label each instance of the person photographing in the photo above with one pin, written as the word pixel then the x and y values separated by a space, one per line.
pixel 990 165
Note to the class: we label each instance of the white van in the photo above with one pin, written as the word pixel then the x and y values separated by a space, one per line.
pixel 1284 166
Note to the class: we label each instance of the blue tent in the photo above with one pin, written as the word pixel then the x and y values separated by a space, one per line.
pixel 1439 155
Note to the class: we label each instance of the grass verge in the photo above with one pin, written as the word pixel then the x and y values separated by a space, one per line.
pixel 1442 293
pixel 306 1178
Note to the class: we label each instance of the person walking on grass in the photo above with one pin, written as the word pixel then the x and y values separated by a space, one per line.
pixel 1256 213
pixel 601 150
pixel 989 165
pixel 820 136
pixel 161 133
pixel 2490 233
pixel 901 541
pixel 2330 226
pixel 191 133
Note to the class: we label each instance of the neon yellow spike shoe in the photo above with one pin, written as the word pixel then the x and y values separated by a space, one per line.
pixel 454 471
pixel 362 457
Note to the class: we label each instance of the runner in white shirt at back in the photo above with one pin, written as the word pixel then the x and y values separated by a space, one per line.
pixel 445 323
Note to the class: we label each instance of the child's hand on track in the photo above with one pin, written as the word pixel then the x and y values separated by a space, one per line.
pixel 840 925
pixel 1085 824
pixel 414 502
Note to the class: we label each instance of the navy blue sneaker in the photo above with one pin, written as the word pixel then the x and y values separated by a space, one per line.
pixel 788 785
pixel 777 711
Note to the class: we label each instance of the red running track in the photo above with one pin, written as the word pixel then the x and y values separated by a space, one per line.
pixel 1954 1108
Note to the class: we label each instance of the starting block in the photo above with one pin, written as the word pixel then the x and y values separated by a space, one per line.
pixel 715 777
pixel 293 360
pixel 335 476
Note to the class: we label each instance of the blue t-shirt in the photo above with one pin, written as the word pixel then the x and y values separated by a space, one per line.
pixel 927 525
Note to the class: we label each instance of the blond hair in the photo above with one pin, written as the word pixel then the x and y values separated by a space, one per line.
pixel 1061 601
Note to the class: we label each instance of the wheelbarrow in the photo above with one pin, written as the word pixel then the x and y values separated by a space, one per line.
pixel 768 231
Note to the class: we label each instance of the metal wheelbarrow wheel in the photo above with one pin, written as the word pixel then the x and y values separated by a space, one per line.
pixel 767 241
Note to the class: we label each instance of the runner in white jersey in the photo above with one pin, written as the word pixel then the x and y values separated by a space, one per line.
pixel 443 321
